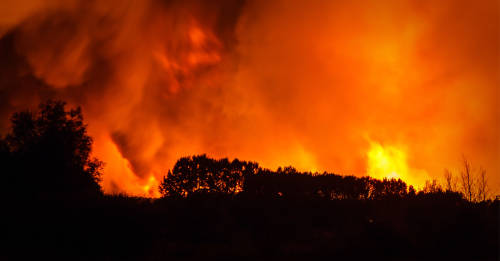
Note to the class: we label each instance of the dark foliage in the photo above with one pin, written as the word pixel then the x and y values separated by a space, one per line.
pixel 46 155
pixel 199 174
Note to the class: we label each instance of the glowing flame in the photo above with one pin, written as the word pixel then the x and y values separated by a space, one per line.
pixel 391 162
pixel 151 188
pixel 388 162
pixel 116 163
pixel 159 80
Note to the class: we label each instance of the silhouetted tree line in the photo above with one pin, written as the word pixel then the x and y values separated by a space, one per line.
pixel 219 209
pixel 201 175
pixel 288 182
pixel 46 154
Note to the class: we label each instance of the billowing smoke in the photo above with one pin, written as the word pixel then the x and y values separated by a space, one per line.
pixel 314 84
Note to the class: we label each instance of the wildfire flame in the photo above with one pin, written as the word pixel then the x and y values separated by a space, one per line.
pixel 388 162
pixel 280 82
pixel 391 162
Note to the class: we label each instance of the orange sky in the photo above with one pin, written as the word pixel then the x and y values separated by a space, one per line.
pixel 340 86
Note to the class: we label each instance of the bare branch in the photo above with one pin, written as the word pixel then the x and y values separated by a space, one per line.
pixel 482 185
pixel 448 176
pixel 467 180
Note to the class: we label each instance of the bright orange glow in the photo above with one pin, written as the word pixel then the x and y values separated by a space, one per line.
pixel 151 188
pixel 282 82
pixel 117 164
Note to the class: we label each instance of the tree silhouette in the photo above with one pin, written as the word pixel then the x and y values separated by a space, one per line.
pixel 482 185
pixel 467 180
pixel 450 181
pixel 48 154
pixel 432 187
pixel 200 174
pixel 473 185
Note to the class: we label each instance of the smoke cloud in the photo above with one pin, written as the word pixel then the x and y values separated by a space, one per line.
pixel 313 84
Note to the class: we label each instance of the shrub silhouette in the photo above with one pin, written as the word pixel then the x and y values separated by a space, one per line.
pixel 47 154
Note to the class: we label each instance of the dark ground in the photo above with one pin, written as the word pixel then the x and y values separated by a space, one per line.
pixel 208 227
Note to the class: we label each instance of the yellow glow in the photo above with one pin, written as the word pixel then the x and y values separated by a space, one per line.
pixel 151 188
pixel 388 162
pixel 391 162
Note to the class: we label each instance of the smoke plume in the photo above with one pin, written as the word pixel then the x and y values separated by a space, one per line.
pixel 313 84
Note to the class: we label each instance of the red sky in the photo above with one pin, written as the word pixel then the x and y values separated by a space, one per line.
pixel 350 87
